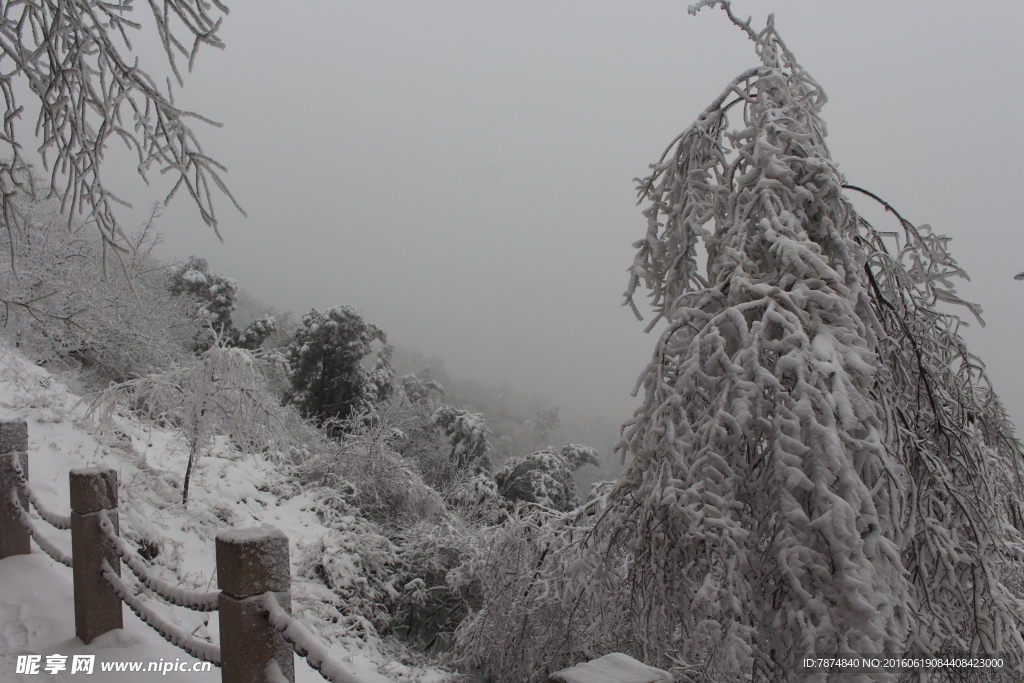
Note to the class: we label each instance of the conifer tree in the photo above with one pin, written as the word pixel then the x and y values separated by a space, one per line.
pixel 328 381
pixel 217 297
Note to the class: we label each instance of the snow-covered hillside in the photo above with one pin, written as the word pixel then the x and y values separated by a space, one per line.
pixel 230 490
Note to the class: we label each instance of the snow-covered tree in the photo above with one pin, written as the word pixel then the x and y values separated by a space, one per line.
pixel 326 355
pixel 215 293
pixel 255 333
pixel 217 297
pixel 467 433
pixel 819 466
pixel 478 489
pixel 223 391
pixel 75 60
pixel 420 390
pixel 545 477
pixel 546 420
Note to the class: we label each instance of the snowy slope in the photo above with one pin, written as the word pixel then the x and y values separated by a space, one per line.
pixel 229 490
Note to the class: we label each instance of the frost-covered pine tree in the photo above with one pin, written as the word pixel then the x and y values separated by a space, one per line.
pixel 215 294
pixel 328 381
pixel 217 298
pixel 819 466
pixel 420 390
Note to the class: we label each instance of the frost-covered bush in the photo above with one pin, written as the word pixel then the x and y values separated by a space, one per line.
pixel 437 587
pixel 415 582
pixel 354 560
pixel 461 469
pixel 326 357
pixel 437 441
pixel 421 440
pixel 539 602
pixel 220 392
pixel 359 453
pixel 65 313
pixel 478 489
pixel 421 390
pixel 545 477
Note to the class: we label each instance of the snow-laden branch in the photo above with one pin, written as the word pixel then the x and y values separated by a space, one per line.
pixel 176 595
pixel 197 648
pixel 44 544
pixel 75 60
pixel 62 522
pixel 304 644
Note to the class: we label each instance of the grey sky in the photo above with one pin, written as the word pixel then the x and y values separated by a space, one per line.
pixel 462 171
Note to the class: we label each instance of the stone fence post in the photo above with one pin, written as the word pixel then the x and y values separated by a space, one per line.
pixel 97 606
pixel 13 536
pixel 251 562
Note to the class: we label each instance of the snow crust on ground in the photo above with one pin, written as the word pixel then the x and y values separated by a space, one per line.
pixel 230 490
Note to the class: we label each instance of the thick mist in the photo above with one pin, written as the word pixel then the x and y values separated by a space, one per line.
pixel 463 172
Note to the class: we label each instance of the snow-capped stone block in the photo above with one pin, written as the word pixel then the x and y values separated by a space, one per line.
pixel 253 561
pixel 13 436
pixel 249 643
pixel 97 605
pixel 612 668
pixel 93 489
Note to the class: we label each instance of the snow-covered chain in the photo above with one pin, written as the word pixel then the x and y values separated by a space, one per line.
pixel 59 521
pixel 50 549
pixel 197 648
pixel 194 600
pixel 304 644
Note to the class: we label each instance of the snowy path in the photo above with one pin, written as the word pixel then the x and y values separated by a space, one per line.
pixel 231 491
pixel 37 617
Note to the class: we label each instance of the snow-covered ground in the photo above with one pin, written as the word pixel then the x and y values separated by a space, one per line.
pixel 229 490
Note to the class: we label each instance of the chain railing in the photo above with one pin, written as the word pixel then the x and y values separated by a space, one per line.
pixel 200 649
pixel 258 635
pixel 62 522
pixel 176 595
pixel 43 542
pixel 303 642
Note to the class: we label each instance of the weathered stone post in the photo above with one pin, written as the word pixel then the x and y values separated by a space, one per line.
pixel 97 607
pixel 251 562
pixel 13 536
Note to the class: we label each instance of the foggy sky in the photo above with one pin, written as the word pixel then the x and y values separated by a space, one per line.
pixel 462 172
